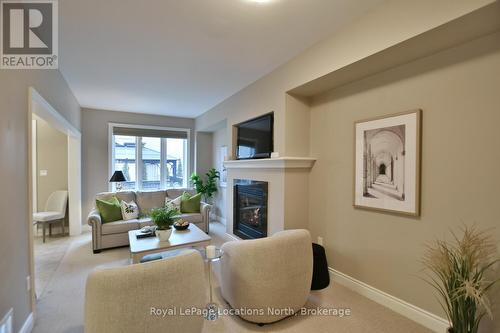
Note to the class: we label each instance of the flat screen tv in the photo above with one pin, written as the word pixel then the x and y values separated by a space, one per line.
pixel 255 138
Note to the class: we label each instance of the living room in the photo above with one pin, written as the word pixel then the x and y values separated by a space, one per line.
pixel 371 133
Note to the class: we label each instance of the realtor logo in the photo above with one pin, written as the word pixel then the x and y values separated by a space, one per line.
pixel 29 36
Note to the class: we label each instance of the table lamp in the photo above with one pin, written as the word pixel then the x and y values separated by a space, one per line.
pixel 118 178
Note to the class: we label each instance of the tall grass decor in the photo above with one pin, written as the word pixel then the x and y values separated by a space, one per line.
pixel 459 271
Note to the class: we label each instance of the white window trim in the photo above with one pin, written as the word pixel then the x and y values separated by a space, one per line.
pixel 111 152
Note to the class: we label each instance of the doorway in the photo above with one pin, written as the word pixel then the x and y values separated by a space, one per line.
pixel 55 158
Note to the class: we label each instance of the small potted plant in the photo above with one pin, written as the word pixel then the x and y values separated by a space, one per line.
pixel 163 218
pixel 462 275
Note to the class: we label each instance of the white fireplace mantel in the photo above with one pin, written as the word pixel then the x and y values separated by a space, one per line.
pixel 272 163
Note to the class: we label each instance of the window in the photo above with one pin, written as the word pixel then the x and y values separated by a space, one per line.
pixel 151 158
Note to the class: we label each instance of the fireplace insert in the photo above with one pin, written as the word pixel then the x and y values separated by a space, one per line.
pixel 250 209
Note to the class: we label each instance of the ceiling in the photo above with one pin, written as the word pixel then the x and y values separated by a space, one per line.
pixel 182 57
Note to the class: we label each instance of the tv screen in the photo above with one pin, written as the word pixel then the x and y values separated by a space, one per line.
pixel 255 138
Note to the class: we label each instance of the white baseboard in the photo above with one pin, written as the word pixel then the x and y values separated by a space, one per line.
pixel 410 311
pixel 28 324
pixel 232 237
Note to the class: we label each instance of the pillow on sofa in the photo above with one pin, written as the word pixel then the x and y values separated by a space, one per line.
pixel 110 210
pixel 190 203
pixel 129 210
pixel 174 202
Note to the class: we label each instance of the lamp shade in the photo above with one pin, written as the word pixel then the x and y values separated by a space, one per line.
pixel 118 177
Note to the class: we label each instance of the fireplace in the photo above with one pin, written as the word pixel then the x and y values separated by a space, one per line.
pixel 250 209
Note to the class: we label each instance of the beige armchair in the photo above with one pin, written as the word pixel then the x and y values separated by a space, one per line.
pixel 268 273
pixel 130 299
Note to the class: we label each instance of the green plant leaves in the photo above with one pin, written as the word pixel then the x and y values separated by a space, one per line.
pixel 210 187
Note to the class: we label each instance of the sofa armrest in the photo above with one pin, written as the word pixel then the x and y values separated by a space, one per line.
pixel 94 218
pixel 205 214
pixel 205 208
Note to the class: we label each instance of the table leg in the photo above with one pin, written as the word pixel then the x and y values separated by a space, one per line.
pixel 50 229
pixel 136 258
pixel 43 231
pixel 62 224
pixel 212 308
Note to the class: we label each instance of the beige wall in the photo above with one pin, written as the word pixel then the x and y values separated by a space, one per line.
pixel 15 127
pixel 204 159
pixel 387 25
pixel 219 139
pixel 460 112
pixel 458 93
pixel 95 157
pixel 52 156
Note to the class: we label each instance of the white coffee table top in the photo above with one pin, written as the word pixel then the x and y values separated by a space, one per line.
pixel 179 238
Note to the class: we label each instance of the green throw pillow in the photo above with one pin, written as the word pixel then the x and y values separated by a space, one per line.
pixel 190 203
pixel 110 210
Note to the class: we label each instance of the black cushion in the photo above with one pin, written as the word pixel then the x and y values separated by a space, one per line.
pixel 321 277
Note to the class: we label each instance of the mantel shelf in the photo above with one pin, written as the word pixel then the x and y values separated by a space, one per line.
pixel 272 163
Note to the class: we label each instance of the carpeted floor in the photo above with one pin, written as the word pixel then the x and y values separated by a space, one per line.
pixel 60 304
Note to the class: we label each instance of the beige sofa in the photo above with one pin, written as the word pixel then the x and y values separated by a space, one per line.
pixel 271 273
pixel 124 299
pixel 114 234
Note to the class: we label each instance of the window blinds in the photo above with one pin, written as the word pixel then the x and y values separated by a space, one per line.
pixel 150 133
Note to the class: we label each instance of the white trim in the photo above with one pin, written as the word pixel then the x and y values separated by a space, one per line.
pixel 233 237
pixel 111 148
pixel 28 324
pixel 138 163
pixel 75 185
pixel 34 171
pixel 272 163
pixel 7 322
pixel 410 311
pixel 49 114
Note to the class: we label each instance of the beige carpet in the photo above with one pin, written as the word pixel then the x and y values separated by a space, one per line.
pixel 60 306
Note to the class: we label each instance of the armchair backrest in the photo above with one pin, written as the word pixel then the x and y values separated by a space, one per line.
pixel 124 299
pixel 57 202
pixel 272 272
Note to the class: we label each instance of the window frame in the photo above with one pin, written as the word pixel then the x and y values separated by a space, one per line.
pixel 138 154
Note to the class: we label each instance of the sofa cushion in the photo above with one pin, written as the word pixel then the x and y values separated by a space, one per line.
pixel 110 210
pixel 174 202
pixel 149 200
pixel 130 210
pixel 119 227
pixel 190 203
pixel 126 196
pixel 192 218
pixel 173 193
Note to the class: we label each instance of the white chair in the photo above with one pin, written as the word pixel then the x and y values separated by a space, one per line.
pixel 55 211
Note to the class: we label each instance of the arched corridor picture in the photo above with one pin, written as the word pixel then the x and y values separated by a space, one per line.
pixel 383 163
pixel 387 163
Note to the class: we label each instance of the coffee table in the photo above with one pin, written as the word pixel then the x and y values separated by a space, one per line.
pixel 191 237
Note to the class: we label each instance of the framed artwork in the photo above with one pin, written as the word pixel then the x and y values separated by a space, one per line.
pixel 222 168
pixel 387 163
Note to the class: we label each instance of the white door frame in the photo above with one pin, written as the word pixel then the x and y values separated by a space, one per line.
pixel 39 106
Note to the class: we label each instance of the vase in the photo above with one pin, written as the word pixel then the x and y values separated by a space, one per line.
pixel 164 235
